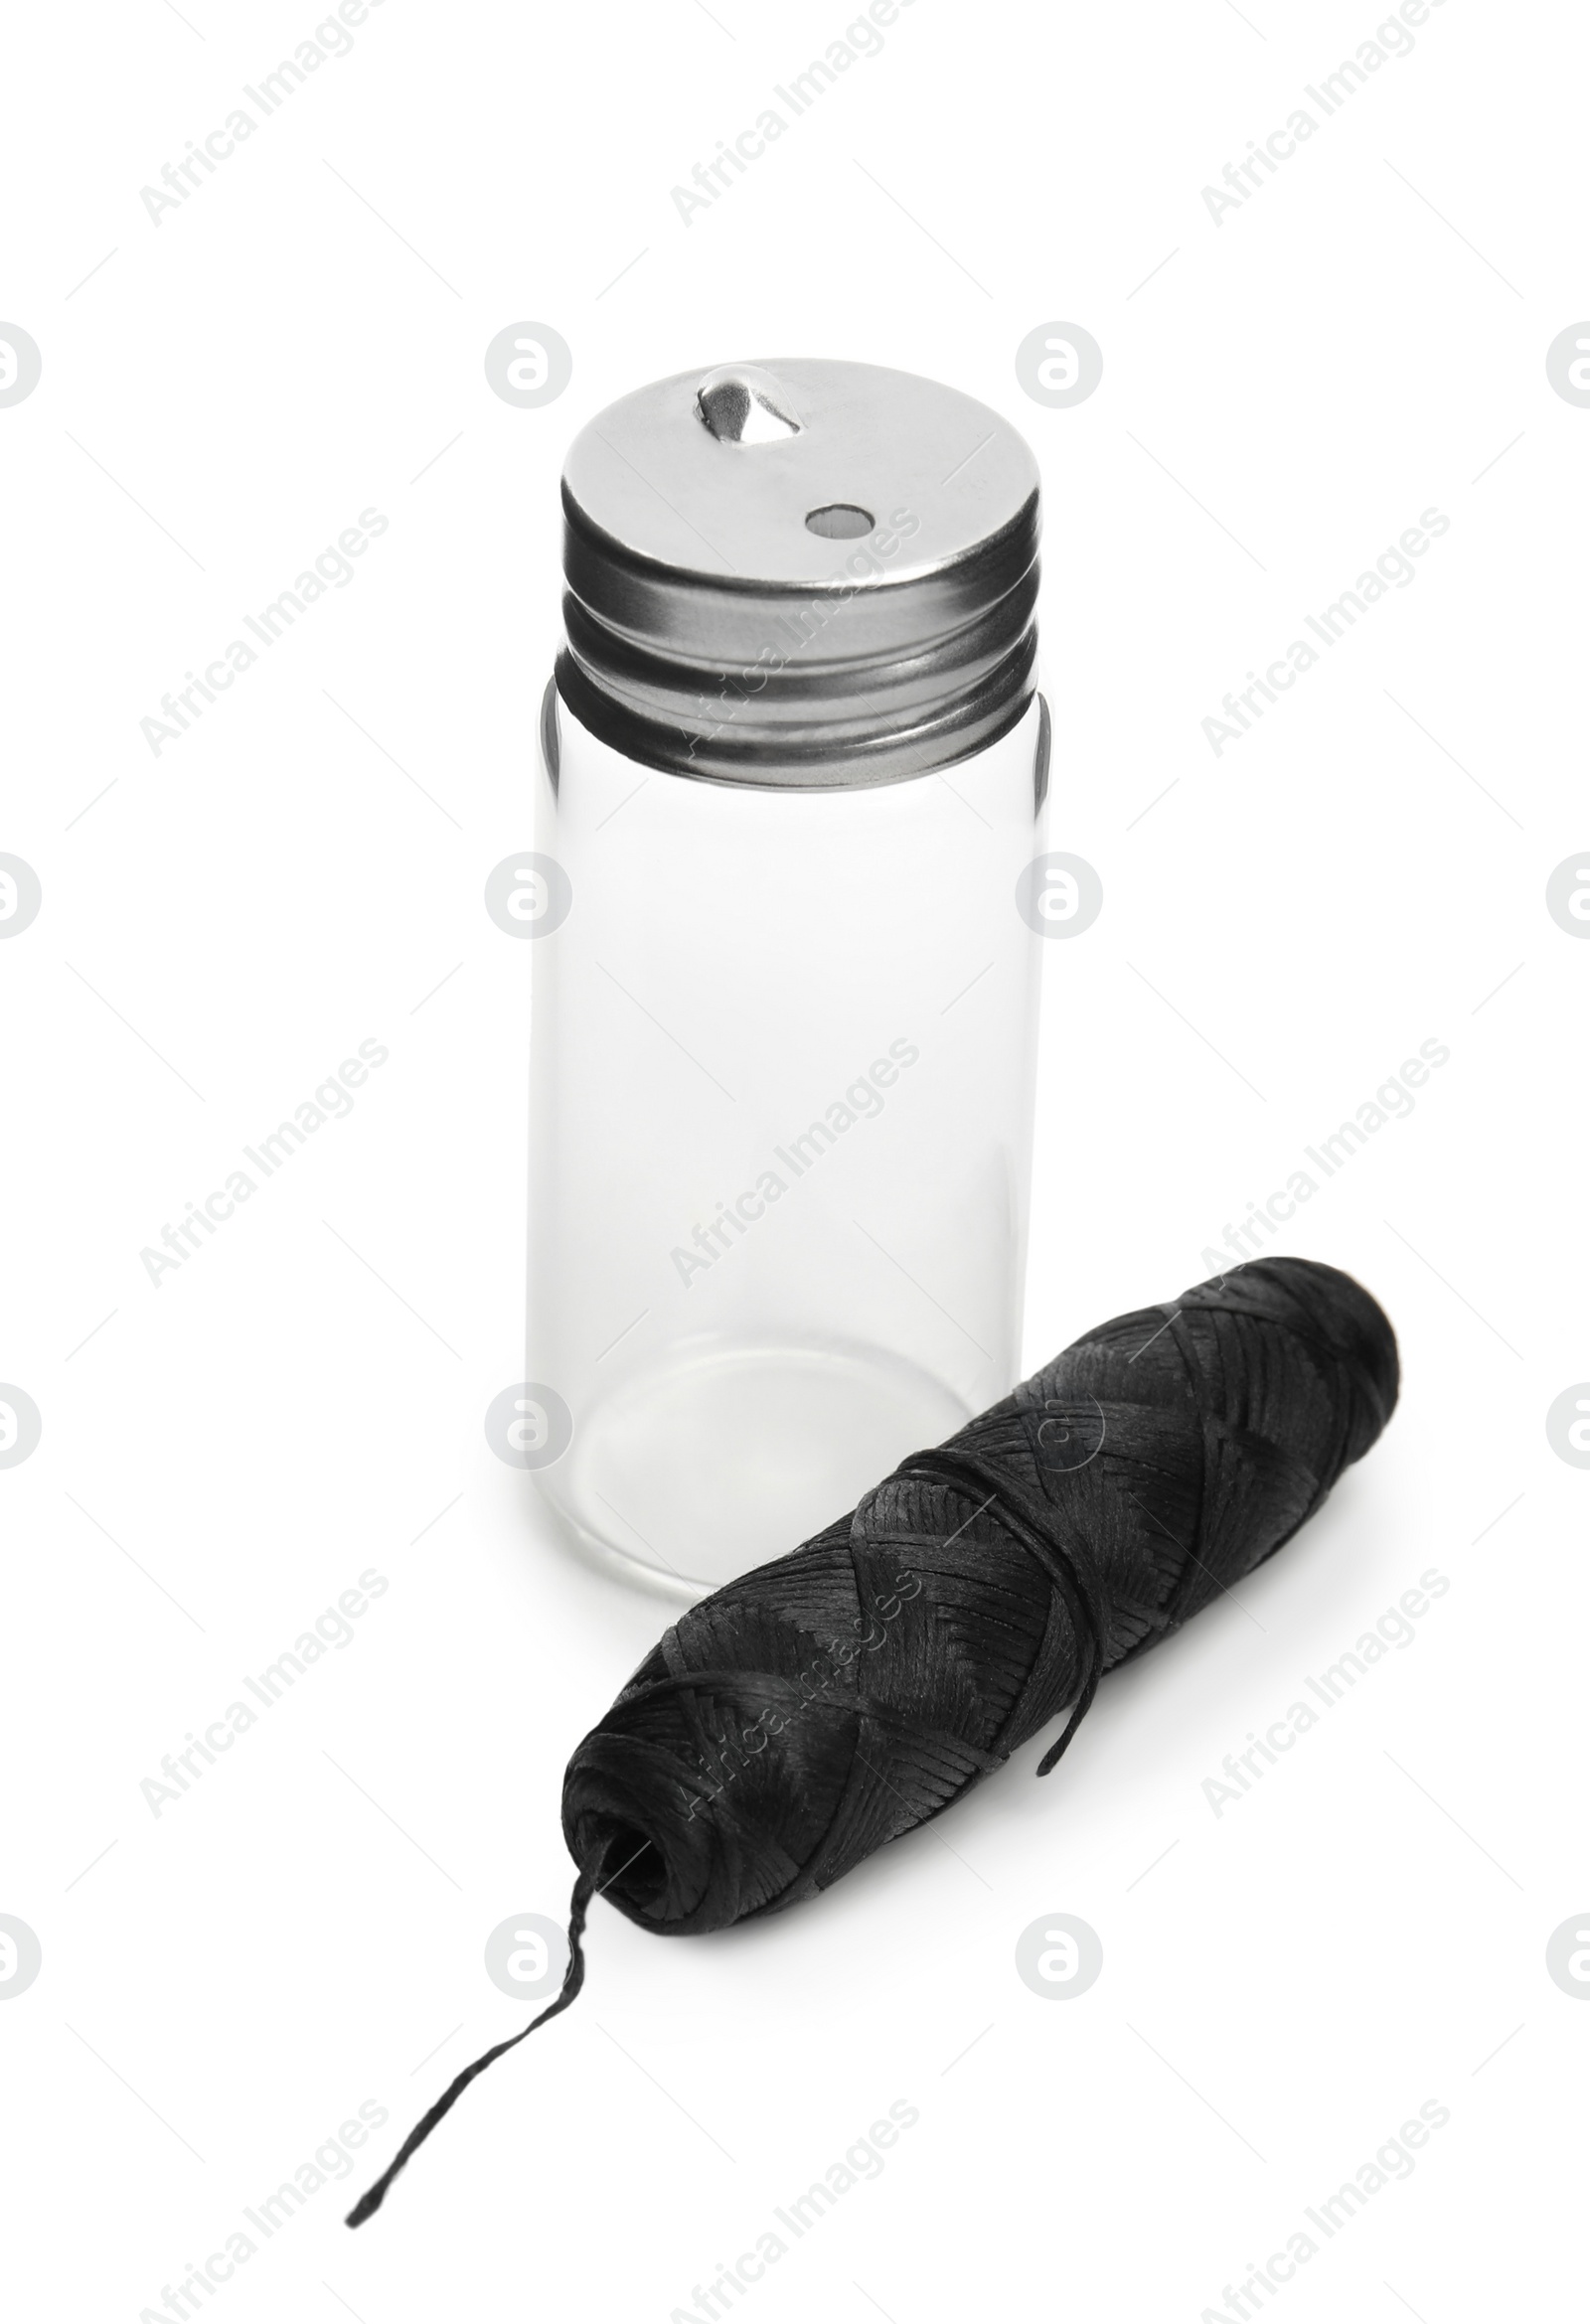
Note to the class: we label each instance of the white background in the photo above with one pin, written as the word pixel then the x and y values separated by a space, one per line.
pixel 224 1985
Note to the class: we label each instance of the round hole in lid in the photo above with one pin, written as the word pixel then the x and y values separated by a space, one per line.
pixel 841 521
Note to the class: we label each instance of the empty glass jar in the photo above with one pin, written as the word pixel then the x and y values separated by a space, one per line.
pixel 792 768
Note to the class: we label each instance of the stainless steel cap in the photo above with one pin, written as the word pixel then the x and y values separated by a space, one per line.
pixel 803 573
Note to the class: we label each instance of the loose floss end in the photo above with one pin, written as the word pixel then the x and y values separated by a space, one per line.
pixel 898 1657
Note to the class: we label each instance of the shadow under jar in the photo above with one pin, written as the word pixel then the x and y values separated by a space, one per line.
pixel 792 768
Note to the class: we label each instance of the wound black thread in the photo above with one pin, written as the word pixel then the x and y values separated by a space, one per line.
pixel 828 1702
pixel 813 1710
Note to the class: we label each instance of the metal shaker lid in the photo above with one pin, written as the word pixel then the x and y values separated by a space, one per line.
pixel 799 573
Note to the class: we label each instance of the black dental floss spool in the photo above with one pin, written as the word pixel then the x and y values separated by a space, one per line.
pixel 795 1721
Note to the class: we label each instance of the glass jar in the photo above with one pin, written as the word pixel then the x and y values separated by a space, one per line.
pixel 792 771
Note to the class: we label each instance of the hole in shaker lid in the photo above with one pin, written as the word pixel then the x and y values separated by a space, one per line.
pixel 741 404
pixel 841 521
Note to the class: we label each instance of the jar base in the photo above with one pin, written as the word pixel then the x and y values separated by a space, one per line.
pixel 730 1455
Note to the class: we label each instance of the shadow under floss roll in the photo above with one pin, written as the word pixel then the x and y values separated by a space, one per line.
pixel 832 1700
